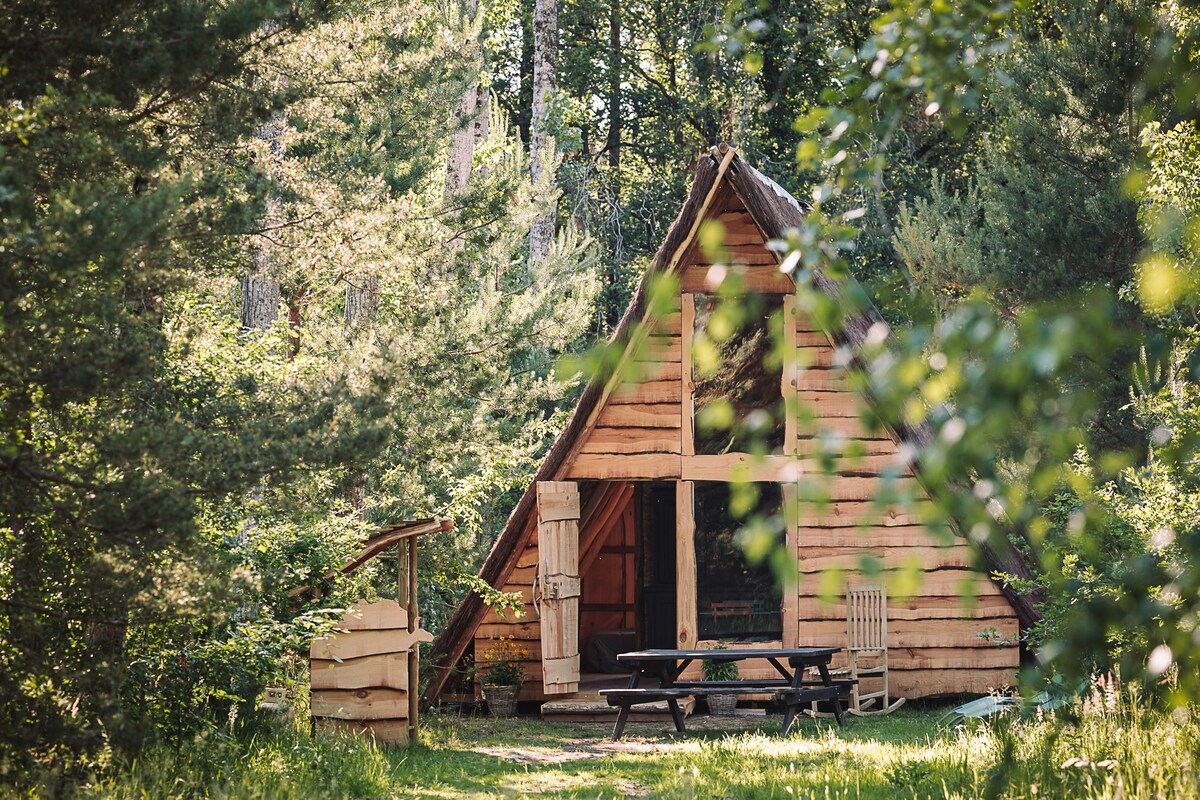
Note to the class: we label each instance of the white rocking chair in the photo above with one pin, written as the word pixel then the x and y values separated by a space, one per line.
pixel 866 637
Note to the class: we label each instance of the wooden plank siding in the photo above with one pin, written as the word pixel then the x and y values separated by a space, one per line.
pixel 934 636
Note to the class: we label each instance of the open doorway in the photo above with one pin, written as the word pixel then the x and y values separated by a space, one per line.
pixel 656 537
pixel 627 571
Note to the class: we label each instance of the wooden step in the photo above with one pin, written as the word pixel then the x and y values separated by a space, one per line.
pixel 589 709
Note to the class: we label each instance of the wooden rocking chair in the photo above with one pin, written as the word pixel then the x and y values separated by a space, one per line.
pixel 866 637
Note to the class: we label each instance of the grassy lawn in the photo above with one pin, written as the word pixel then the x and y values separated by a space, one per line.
pixel 880 757
pixel 1105 750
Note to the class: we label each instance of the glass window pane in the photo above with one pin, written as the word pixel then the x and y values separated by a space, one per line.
pixel 737 373
pixel 735 600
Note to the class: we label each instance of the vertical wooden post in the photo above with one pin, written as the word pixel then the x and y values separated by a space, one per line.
pixel 790 607
pixel 685 565
pixel 687 444
pixel 790 610
pixel 402 571
pixel 414 654
pixel 788 390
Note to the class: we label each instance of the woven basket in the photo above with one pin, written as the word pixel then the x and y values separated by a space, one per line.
pixel 501 700
pixel 723 705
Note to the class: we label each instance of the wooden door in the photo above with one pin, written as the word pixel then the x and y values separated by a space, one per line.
pixel 558 584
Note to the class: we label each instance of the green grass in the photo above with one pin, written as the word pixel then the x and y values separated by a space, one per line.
pixel 1114 752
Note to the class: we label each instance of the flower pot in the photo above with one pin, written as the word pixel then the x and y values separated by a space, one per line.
pixel 501 700
pixel 723 705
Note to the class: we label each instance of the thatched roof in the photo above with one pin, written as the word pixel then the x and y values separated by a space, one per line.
pixel 775 211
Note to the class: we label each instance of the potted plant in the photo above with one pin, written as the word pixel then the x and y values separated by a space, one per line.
pixel 500 670
pixel 720 703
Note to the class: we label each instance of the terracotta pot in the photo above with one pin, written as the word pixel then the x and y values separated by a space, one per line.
pixel 501 700
pixel 723 705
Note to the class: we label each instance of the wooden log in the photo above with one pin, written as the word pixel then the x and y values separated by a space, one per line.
pixel 739 467
pixel 666 325
pixel 381 615
pixel 747 255
pixel 915 608
pixel 388 670
pixel 523 630
pixel 811 338
pixel 873 537
pixel 360 704
pixel 911 633
pixel 950 582
pixel 823 380
pixel 651 415
pixel 356 644
pixel 522 576
pixel 831 404
pixel 758 278
pixel 814 356
pixel 988 657
pixel 930 683
pixel 647 392
pixel 888 558
pixel 659 348
pixel 735 236
pixel 633 372
pixel 631 440
pixel 601 466
pixel 385 732
pixel 846 514
pixel 528 558
pixel 808 448
pixel 850 427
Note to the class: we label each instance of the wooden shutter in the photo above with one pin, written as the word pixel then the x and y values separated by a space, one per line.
pixel 558 589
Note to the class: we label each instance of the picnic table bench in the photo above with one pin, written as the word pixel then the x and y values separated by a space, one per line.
pixel 791 688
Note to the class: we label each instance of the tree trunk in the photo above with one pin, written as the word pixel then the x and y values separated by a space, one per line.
pixel 614 86
pixel 362 299
pixel 260 299
pixel 470 127
pixel 260 290
pixel 545 64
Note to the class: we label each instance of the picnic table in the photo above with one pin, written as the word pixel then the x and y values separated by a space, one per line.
pixel 791 687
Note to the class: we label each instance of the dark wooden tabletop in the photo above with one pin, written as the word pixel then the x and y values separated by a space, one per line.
pixel 729 655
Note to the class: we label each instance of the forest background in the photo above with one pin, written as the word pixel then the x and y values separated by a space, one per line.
pixel 279 273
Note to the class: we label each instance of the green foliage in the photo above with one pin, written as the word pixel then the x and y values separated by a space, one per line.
pixel 167 477
pixel 719 670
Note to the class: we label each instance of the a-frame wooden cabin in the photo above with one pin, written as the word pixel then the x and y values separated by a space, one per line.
pixel 624 533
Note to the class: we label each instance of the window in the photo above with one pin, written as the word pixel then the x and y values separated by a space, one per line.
pixel 735 600
pixel 737 376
